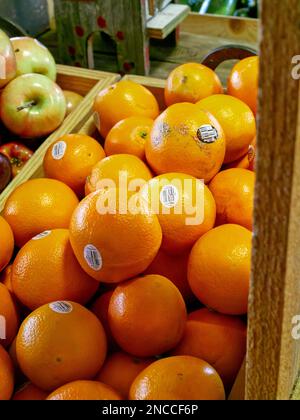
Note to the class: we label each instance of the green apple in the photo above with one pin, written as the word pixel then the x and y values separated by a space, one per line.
pixel 73 99
pixel 32 106
pixel 7 60
pixel 33 57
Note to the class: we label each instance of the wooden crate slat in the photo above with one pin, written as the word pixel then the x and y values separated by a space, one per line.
pixel 71 124
pixel 166 20
pixel 273 354
pixel 228 27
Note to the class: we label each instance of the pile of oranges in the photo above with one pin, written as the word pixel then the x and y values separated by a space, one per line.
pixel 125 270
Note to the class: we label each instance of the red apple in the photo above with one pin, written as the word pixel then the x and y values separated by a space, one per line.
pixel 33 57
pixel 18 155
pixel 32 106
pixel 7 60
pixel 72 100
pixel 5 172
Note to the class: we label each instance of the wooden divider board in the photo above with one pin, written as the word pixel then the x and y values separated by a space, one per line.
pixel 84 81
pixel 273 355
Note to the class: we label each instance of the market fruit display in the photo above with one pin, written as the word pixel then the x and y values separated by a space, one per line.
pixel 125 269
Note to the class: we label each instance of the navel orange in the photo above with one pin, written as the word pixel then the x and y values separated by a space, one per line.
pixel 187 140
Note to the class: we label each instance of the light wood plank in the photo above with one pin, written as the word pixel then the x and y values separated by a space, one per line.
pixel 166 20
pixel 272 357
pixel 228 27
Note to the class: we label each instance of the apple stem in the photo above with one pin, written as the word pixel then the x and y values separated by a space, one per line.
pixel 28 105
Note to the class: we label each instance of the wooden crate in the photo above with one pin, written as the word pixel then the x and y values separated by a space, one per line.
pixel 85 82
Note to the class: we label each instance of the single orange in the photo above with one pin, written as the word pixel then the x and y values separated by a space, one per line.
pixel 6 375
pixel 120 370
pixel 121 100
pixel 219 269
pixel 184 206
pixel 187 140
pixel 30 392
pixel 218 339
pixel 247 161
pixel 71 159
pixel 6 243
pixel 46 269
pixel 237 121
pixel 174 267
pixel 100 309
pixel 233 190
pixel 84 390
pixel 60 342
pixel 38 205
pixel 110 242
pixel 147 315
pixel 178 378
pixel 9 316
pixel 118 171
pixel 20 378
pixel 243 81
pixel 129 136
pixel 191 82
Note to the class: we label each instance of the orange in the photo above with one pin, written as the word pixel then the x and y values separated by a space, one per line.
pixel 20 378
pixel 237 121
pixel 46 269
pixel 243 81
pixel 129 136
pixel 9 316
pixel 246 161
pixel 233 190
pixel 120 370
pixel 219 269
pixel 191 82
pixel 121 100
pixel 184 206
pixel 71 159
pixel 218 339
pixel 60 342
pixel 6 375
pixel 84 390
pixel 6 243
pixel 111 246
pixel 5 277
pixel 178 378
pixel 188 140
pixel 118 171
pixel 29 392
pixel 100 309
pixel 38 205
pixel 147 315
pixel 174 267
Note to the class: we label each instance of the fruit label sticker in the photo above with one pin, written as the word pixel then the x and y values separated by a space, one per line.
pixel 97 120
pixel 207 134
pixel 61 307
pixel 93 257
pixel 169 196
pixel 59 150
pixel 41 235
pixel 2 67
